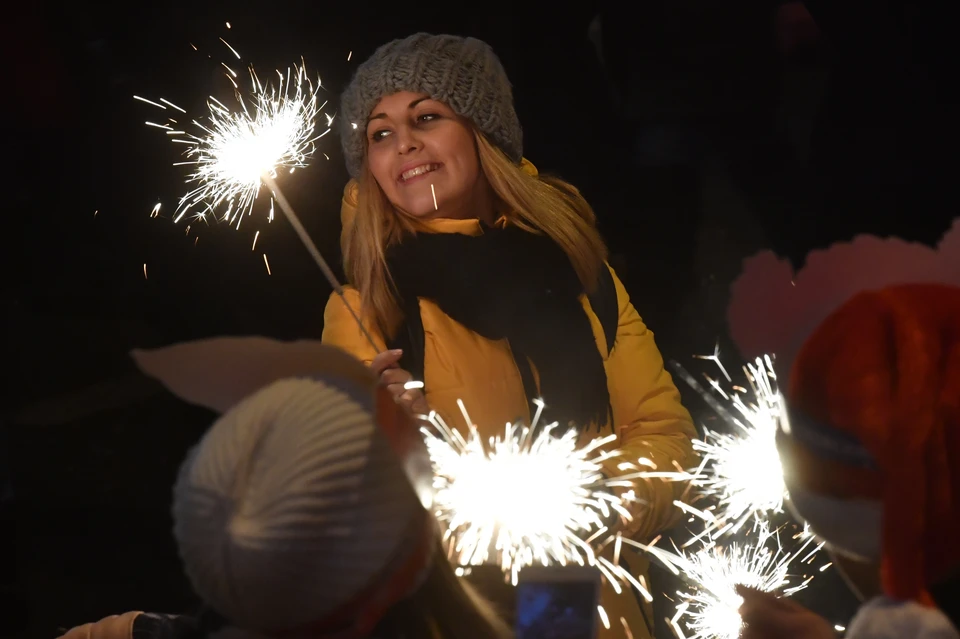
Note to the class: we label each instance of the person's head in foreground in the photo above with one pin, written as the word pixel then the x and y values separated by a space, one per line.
pixel 296 516
pixel 429 131
pixel 871 457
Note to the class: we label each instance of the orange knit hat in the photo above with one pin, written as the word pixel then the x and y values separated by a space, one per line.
pixel 882 374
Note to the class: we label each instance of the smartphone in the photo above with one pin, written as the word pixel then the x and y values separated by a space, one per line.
pixel 557 602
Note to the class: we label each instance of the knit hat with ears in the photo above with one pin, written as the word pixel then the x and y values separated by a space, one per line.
pixel 301 512
pixel 463 73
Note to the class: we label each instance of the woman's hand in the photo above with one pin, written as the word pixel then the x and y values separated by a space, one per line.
pixel 387 369
pixel 766 616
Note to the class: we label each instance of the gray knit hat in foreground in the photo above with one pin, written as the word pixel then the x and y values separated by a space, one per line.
pixel 463 73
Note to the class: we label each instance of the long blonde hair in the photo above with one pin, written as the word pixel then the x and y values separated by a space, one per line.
pixel 539 204
pixel 445 607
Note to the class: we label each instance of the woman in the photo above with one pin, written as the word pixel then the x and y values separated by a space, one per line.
pixel 297 513
pixel 871 458
pixel 490 278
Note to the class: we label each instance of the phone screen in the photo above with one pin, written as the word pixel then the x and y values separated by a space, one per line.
pixel 557 603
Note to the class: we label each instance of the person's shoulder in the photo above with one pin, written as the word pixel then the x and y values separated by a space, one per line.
pixel 349 293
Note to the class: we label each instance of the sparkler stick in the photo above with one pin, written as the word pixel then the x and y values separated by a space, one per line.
pixel 314 251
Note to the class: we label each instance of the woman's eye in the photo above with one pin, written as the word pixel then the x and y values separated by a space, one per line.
pixel 427 117
pixel 376 136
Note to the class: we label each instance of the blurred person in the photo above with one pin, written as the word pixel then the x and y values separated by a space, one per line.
pixel 301 511
pixel 699 88
pixel 871 456
pixel 488 282
pixel 884 138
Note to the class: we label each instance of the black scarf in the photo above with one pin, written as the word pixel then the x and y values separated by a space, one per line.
pixel 509 283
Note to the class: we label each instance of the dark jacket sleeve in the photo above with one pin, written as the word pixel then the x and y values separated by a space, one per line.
pixel 158 626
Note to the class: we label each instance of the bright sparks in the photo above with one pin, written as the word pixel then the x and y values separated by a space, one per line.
pixel 269 129
pixel 709 608
pixel 739 471
pixel 531 497
pixel 743 470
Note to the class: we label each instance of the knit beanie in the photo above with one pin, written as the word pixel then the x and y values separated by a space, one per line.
pixel 463 73
pixel 874 418
pixel 294 513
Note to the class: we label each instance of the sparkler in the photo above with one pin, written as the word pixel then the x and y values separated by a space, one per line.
pixel 710 607
pixel 531 497
pixel 741 471
pixel 236 151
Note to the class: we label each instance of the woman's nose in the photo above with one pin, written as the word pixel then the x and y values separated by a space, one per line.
pixel 407 141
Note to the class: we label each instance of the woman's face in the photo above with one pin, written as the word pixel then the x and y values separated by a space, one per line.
pixel 424 157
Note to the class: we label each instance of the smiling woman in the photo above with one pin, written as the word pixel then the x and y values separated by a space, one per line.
pixel 419 148
pixel 488 282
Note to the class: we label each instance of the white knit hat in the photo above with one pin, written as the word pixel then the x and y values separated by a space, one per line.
pixel 291 504
pixel 310 488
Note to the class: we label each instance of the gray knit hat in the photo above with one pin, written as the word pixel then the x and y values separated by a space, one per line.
pixel 463 73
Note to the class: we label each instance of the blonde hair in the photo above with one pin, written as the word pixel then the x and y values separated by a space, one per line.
pixel 539 204
pixel 444 607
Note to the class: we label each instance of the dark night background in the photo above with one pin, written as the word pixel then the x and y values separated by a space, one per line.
pixel 711 130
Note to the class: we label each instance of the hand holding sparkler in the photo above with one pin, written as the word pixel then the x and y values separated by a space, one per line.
pixel 399 383
pixel 764 615
pixel 711 607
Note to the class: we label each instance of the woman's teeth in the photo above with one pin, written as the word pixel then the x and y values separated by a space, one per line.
pixel 420 170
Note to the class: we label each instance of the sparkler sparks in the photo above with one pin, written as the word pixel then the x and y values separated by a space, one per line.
pixel 237 151
pixel 744 471
pixel 710 608
pixel 741 471
pixel 272 129
pixel 532 497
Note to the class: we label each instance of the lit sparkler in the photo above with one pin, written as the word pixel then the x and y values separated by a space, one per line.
pixel 531 497
pixel 233 150
pixel 742 470
pixel 710 607
pixel 237 150
pixel 272 130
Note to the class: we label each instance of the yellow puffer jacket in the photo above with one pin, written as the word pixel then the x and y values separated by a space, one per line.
pixel 648 417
